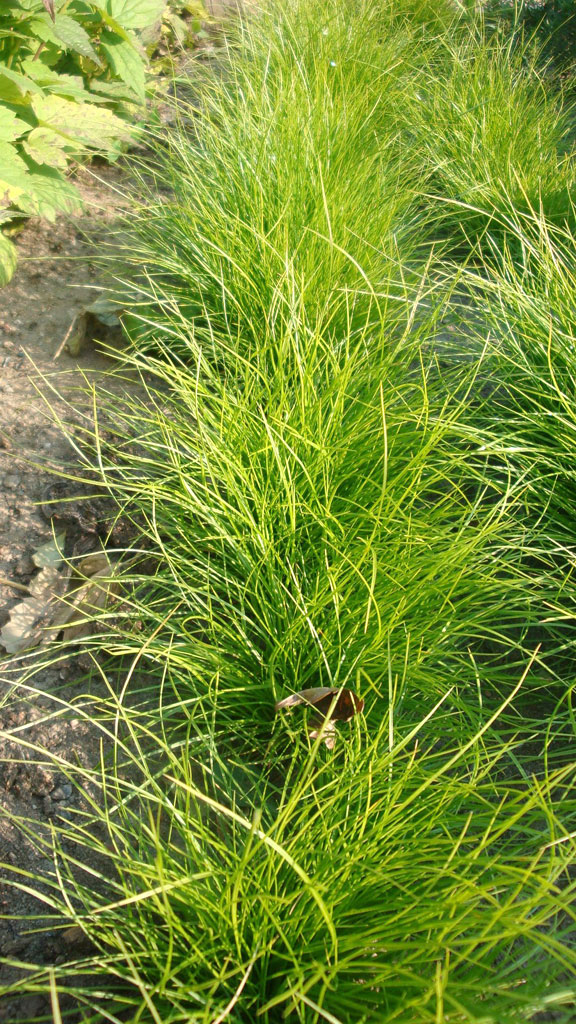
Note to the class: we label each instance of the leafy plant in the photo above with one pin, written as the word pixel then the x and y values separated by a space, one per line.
pixel 341 471
pixel 182 22
pixel 70 72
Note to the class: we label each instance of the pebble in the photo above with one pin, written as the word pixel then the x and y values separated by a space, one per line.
pixel 25 565
pixel 62 792
pixel 14 946
pixel 43 783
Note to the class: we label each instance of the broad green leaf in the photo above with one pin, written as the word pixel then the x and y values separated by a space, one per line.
pixel 74 37
pixel 14 177
pixel 63 85
pixel 15 87
pixel 46 147
pixel 125 62
pixel 39 72
pixel 43 29
pixel 31 5
pixel 9 93
pixel 136 13
pixel 93 126
pixel 117 27
pixel 107 310
pixel 11 127
pixel 8 259
pixel 178 27
pixel 113 91
pixel 49 192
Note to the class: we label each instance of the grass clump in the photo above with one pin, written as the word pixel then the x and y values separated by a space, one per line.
pixel 496 142
pixel 528 304
pixel 331 496
pixel 375 883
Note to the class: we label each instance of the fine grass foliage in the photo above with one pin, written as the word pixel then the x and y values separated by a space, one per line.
pixel 495 142
pixel 340 472
pixel 383 881
pixel 527 302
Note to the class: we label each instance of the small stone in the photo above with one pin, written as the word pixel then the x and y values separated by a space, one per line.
pixel 43 782
pixel 47 806
pixel 25 565
pixel 14 946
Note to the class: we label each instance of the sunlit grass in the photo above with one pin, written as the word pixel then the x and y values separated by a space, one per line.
pixel 351 467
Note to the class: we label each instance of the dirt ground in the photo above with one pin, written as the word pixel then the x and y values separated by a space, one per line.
pixel 54 280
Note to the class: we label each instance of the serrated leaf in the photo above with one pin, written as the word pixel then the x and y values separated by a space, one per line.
pixel 95 127
pixel 136 13
pixel 46 147
pixel 11 127
pixel 115 25
pixel 14 87
pixel 8 260
pixel 113 91
pixel 39 72
pixel 14 178
pixel 48 192
pixel 126 62
pixel 73 36
pixel 31 5
pixel 70 86
pixel 43 29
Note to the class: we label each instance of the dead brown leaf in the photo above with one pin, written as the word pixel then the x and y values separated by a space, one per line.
pixel 78 608
pixel 48 609
pixel 337 704
pixel 330 704
pixel 31 619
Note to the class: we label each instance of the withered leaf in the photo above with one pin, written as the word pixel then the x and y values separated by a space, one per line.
pixel 30 619
pixel 337 704
pixel 77 610
pixel 49 555
pixel 46 611
pixel 106 310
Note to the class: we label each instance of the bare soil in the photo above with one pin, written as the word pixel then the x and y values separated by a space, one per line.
pixel 54 280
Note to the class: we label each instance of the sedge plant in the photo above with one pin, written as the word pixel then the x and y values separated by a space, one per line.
pixel 325 498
